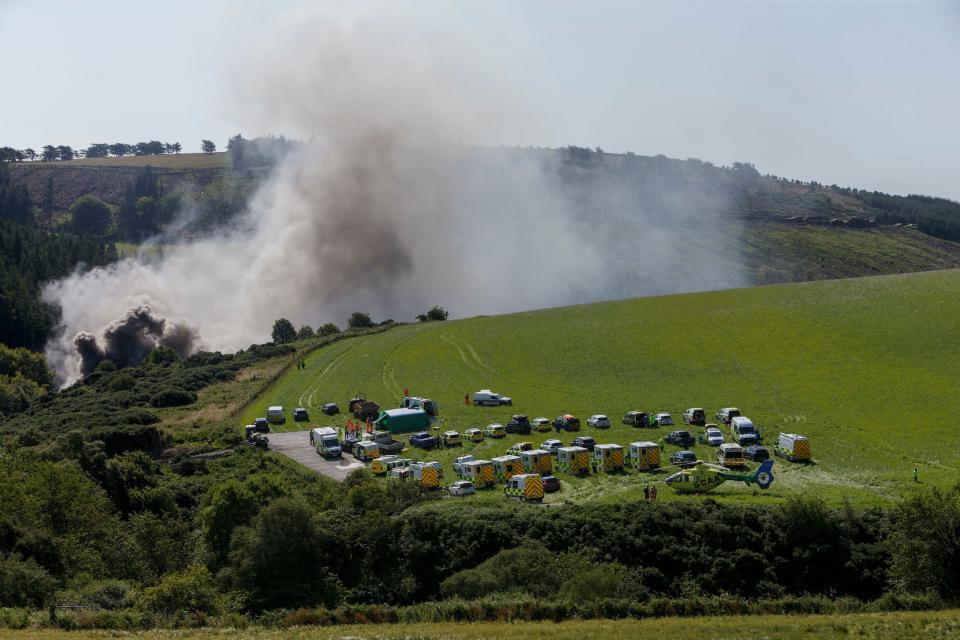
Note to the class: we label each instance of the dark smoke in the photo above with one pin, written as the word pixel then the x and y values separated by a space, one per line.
pixel 129 339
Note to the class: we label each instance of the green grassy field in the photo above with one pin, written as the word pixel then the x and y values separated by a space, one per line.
pixel 166 161
pixel 939 624
pixel 865 368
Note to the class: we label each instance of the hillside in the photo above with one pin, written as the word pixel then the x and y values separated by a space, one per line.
pixel 864 367
pixel 765 229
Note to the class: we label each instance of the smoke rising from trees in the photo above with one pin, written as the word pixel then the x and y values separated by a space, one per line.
pixel 388 208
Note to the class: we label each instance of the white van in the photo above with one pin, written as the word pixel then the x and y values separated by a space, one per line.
pixel 487 398
pixel 743 431
pixel 275 414
pixel 731 455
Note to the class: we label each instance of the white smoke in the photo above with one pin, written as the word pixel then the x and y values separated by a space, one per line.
pixel 387 209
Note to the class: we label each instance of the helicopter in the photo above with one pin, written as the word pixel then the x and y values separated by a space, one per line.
pixel 704 477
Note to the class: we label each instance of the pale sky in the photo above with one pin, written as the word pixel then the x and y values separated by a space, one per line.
pixel 854 93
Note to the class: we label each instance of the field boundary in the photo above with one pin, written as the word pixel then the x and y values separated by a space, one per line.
pixel 302 353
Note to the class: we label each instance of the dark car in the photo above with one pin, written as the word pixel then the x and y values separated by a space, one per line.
pixel 423 440
pixel 680 438
pixel 300 415
pixel 330 409
pixel 262 425
pixel 518 424
pixel 550 484
pixel 587 442
pixel 637 419
pixel 756 453
pixel 683 458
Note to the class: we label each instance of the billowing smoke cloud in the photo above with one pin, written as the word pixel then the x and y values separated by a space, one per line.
pixel 129 339
pixel 388 209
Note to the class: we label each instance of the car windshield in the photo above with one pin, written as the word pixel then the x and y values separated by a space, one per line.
pixel 330 442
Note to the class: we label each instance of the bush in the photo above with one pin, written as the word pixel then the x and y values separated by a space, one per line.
pixel 24 583
pixel 188 591
pixel 139 415
pixel 173 397
pixel 359 320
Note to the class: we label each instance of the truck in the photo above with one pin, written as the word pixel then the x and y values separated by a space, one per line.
pixel 537 461
pixel 725 415
pixel 480 472
pixel 386 442
pixel 362 409
pixel 573 460
pixel 526 487
pixel 731 455
pixel 505 467
pixel 743 431
pixel 366 451
pixel 426 474
pixel 487 398
pixel 644 456
pixel 608 457
pixel 402 420
pixel 793 446
pixel 460 462
pixel 326 441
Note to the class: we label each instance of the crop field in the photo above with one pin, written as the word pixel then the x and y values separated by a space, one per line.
pixel 865 368
pixel 939 624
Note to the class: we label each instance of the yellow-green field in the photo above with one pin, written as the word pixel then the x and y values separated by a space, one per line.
pixel 939 624
pixel 865 368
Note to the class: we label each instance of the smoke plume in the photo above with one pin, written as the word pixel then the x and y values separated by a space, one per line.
pixel 391 207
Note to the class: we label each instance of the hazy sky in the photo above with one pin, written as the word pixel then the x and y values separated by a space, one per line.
pixel 859 94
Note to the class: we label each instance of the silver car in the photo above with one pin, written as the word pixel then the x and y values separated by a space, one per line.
pixel 462 488
pixel 599 421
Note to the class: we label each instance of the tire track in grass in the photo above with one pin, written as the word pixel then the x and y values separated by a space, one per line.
pixel 463 355
pixel 311 391
pixel 390 363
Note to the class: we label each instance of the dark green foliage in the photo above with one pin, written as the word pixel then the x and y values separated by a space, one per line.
pixel 29 257
pixel 359 320
pixel 15 202
pixel 90 216
pixel 163 355
pixel 328 329
pixel 207 146
pixel 173 397
pixel 23 583
pixel 283 331
pixel 305 332
pixel 436 313
pixel 190 590
pixel 291 574
pixel 926 544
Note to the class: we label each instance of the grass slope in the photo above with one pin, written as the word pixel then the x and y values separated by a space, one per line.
pixel 866 368
pixel 938 624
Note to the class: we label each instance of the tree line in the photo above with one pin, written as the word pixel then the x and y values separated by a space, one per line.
pixel 51 153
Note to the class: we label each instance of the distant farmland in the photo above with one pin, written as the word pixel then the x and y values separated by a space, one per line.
pixel 164 161
pixel 865 367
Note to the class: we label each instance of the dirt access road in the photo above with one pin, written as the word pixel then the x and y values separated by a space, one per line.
pixel 296 446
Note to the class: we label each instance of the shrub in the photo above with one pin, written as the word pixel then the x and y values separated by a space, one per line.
pixel 23 583
pixel 139 415
pixel 188 591
pixel 173 397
